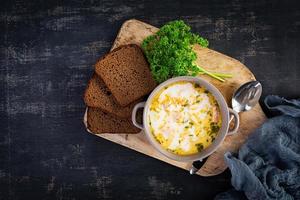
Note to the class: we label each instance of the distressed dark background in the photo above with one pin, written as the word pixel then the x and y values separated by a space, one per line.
pixel 47 52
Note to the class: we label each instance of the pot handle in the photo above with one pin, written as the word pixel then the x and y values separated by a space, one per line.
pixel 133 116
pixel 235 115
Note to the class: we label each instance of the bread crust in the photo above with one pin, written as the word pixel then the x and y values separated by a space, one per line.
pixel 126 73
pixel 98 95
pixel 100 122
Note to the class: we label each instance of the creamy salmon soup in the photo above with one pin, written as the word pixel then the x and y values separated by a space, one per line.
pixel 184 118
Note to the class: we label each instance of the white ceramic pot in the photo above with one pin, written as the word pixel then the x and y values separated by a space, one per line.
pixel 224 110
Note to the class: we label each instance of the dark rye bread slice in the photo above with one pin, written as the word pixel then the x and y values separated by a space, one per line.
pixel 100 122
pixel 98 95
pixel 126 73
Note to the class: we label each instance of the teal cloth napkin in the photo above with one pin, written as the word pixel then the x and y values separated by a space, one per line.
pixel 268 165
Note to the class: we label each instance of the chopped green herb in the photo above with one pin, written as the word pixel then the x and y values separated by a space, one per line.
pixel 172 150
pixel 199 147
pixel 214 127
pixel 209 113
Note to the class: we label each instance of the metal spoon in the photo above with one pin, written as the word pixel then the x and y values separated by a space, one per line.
pixel 243 99
pixel 246 97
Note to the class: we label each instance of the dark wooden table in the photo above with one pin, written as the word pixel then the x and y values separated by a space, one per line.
pixel 47 53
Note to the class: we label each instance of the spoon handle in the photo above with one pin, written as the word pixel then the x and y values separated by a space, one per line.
pixel 196 165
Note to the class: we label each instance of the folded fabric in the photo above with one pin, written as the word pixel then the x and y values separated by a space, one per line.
pixel 268 164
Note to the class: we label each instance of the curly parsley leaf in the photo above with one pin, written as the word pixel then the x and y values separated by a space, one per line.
pixel 170 52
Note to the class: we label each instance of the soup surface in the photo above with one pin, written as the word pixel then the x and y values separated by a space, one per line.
pixel 184 118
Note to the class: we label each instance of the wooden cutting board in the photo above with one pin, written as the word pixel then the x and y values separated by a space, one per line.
pixel 134 31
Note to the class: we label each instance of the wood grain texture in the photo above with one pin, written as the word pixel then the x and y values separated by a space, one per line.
pixel 133 32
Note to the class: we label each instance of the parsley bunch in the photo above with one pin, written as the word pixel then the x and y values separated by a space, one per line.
pixel 170 52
